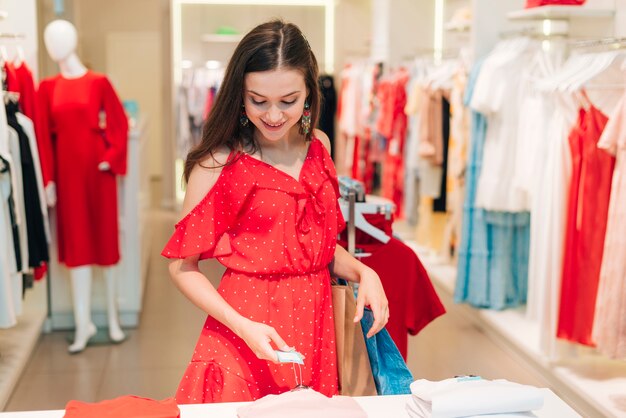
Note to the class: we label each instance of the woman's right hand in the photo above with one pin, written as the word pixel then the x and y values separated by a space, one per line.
pixel 259 336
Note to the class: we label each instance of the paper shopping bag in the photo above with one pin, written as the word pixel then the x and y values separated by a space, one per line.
pixel 355 372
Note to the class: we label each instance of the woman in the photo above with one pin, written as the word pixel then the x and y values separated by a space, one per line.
pixel 262 199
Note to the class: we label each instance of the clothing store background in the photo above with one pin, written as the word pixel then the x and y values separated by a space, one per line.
pixel 389 31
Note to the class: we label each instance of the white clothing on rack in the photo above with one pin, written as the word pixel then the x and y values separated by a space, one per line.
pixel 411 156
pixel 497 96
pixel 8 268
pixel 19 212
pixel 537 111
pixel 351 99
pixel 548 217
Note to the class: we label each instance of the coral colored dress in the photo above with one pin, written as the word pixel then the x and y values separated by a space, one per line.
pixel 276 235
pixel 588 206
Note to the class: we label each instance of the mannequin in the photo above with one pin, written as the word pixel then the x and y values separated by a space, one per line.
pixel 60 39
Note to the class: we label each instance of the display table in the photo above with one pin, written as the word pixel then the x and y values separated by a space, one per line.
pixel 375 406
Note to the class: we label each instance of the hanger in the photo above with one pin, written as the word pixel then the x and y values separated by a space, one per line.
pixel 4 55
pixel 571 67
pixel 596 64
pixel 361 223
pixel 11 97
pixel 19 56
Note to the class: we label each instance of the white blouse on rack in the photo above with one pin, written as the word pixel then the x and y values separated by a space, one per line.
pixel 497 96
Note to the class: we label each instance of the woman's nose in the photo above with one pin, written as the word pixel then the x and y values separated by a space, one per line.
pixel 274 114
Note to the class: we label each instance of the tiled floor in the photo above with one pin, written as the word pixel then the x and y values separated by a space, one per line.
pixel 152 360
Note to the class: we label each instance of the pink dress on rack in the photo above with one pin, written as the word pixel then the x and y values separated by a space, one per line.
pixel 609 327
pixel 276 235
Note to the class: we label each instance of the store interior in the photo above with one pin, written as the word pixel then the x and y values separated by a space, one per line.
pixel 508 315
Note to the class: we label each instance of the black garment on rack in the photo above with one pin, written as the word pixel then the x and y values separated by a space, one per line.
pixel 439 204
pixel 328 109
pixel 5 167
pixel 36 233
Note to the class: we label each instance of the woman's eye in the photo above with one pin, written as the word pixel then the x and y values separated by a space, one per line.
pixel 288 103
pixel 257 103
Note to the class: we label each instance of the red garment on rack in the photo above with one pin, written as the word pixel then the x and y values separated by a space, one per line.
pixel 392 124
pixel 413 301
pixel 72 142
pixel 123 407
pixel 588 204
pixel 356 158
pixel 26 87
pixel 12 81
pixel 208 105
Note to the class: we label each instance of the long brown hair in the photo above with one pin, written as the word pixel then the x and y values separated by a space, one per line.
pixel 269 46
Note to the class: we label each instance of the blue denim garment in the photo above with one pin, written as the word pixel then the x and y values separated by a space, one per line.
pixel 391 375
pixel 493 252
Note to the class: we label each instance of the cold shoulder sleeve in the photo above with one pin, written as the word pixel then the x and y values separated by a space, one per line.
pixel 204 230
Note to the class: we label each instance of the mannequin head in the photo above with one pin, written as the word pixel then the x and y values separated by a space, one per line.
pixel 60 38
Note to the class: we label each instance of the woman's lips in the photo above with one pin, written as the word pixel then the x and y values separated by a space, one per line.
pixel 273 127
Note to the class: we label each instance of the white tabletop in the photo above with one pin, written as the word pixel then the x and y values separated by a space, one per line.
pixel 375 406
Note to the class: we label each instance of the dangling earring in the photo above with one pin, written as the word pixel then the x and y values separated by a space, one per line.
pixel 243 118
pixel 306 118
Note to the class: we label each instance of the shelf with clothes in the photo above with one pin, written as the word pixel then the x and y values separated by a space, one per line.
pixel 590 395
pixel 522 221
pixel 561 12
pixel 24 296
pixel 26 201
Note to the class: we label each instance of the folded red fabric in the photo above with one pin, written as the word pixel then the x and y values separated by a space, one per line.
pixel 539 3
pixel 128 406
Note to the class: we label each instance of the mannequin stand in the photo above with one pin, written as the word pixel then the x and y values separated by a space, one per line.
pixel 81 278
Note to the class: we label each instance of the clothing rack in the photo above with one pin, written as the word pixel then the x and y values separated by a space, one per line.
pixel 590 43
pixel 14 97
pixel 11 35
pixel 557 29
pixel 351 223
pixel 353 194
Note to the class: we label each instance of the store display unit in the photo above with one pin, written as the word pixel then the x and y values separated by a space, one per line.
pixel 374 406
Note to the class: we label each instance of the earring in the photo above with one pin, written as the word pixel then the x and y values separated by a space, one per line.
pixel 306 118
pixel 243 118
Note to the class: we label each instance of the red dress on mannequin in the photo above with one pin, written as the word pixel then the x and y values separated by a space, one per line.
pixel 276 235
pixel 588 205
pixel 81 124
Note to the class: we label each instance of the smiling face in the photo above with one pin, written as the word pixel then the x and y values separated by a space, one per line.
pixel 274 101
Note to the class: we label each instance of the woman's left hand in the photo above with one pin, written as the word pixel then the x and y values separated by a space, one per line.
pixel 371 293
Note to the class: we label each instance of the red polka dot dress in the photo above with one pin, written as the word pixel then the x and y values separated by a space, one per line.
pixel 276 236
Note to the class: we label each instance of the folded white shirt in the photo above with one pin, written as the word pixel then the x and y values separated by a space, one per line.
pixel 471 397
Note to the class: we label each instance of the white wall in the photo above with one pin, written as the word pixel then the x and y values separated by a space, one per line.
pixel 401 29
pixel 96 22
pixel 353 32
pixel 198 19
pixel 620 18
pixel 22 18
